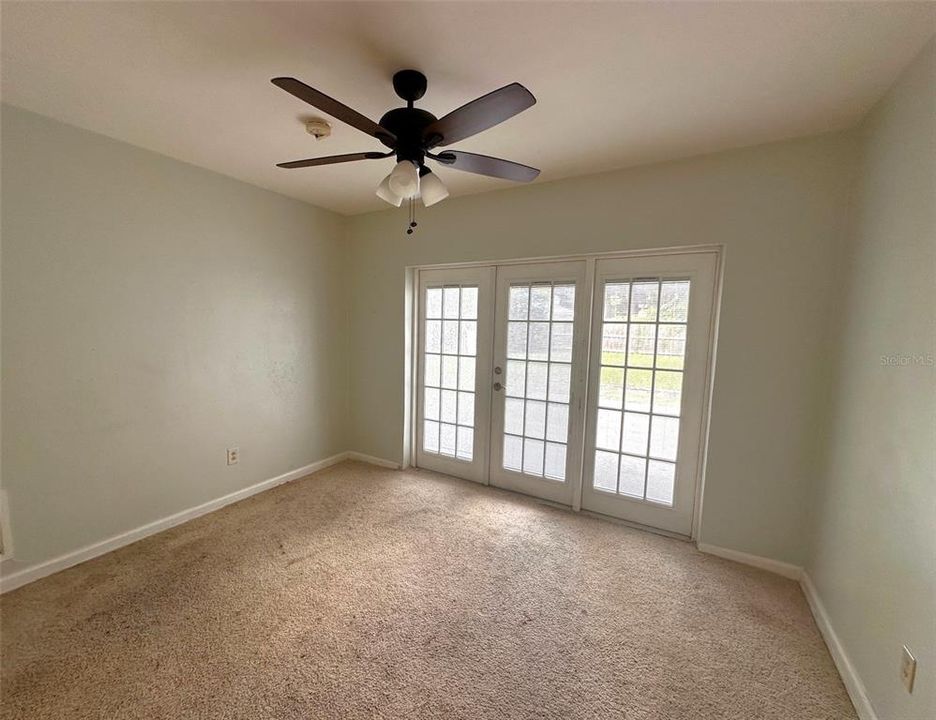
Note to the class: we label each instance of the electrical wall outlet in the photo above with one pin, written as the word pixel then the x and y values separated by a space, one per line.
pixel 907 669
pixel 233 455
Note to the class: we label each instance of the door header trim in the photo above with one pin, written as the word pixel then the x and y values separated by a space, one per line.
pixel 714 248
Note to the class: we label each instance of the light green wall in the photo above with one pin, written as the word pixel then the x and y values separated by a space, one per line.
pixel 874 555
pixel 778 209
pixel 154 314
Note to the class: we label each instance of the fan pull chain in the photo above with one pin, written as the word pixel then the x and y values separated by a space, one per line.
pixel 412 216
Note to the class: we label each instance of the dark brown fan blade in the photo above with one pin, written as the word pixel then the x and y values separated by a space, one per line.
pixel 332 159
pixel 481 114
pixel 485 165
pixel 334 108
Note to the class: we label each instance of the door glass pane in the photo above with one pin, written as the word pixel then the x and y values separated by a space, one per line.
pixel 560 342
pixel 465 442
pixel 447 439
pixel 449 406
pixel 661 481
pixel 513 452
pixel 611 387
pixel 515 384
pixel 671 347
pixel 640 343
pixel 538 341
pixel 533 456
pixel 539 373
pixel 535 419
pixel 537 377
pixel 605 470
pixel 434 303
pixel 608 430
pixel 431 436
pixel 513 416
pixel 638 384
pixel 469 303
pixel 664 437
pixel 516 339
pixel 519 302
pixel 466 409
pixel 540 301
pixel 644 301
pixel 450 337
pixel 674 301
pixel 560 377
pixel 613 343
pixel 468 339
pixel 563 303
pixel 555 464
pixel 431 410
pixel 643 352
pixel 616 302
pixel 466 373
pixel 450 371
pixel 451 340
pixel 631 476
pixel 557 424
pixel 634 433
pixel 451 302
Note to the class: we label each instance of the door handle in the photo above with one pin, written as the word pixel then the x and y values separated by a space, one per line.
pixel 498 386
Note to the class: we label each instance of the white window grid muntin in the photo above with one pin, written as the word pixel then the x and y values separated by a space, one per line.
pixel 653 368
pixel 549 363
pixel 442 318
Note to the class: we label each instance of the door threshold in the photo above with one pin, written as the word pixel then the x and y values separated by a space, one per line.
pixel 568 508
pixel 610 518
pixel 636 525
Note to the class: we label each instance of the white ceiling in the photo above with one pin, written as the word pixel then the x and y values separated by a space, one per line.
pixel 617 84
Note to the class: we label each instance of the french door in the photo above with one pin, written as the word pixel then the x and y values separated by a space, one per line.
pixel 538 378
pixel 582 382
pixel 651 326
pixel 454 364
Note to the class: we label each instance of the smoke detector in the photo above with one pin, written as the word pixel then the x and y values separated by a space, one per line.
pixel 318 128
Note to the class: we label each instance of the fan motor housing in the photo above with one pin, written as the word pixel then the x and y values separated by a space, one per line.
pixel 408 125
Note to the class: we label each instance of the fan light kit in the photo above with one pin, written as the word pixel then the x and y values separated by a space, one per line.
pixel 411 134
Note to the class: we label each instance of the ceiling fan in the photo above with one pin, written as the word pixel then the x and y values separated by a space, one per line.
pixel 412 134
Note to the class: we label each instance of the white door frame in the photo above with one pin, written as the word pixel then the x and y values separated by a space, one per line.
pixel 412 364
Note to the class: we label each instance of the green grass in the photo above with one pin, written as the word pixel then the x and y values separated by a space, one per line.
pixel 641 380
pixel 667 386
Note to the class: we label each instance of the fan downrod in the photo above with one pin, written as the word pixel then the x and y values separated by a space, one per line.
pixel 409 85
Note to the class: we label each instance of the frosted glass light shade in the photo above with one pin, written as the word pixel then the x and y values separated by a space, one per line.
pixel 387 195
pixel 432 189
pixel 404 179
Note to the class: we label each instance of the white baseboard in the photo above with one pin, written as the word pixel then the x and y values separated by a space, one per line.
pixel 787 570
pixel 35 572
pixel 853 684
pixel 370 459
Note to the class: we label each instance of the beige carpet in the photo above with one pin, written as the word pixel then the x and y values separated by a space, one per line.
pixel 366 593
